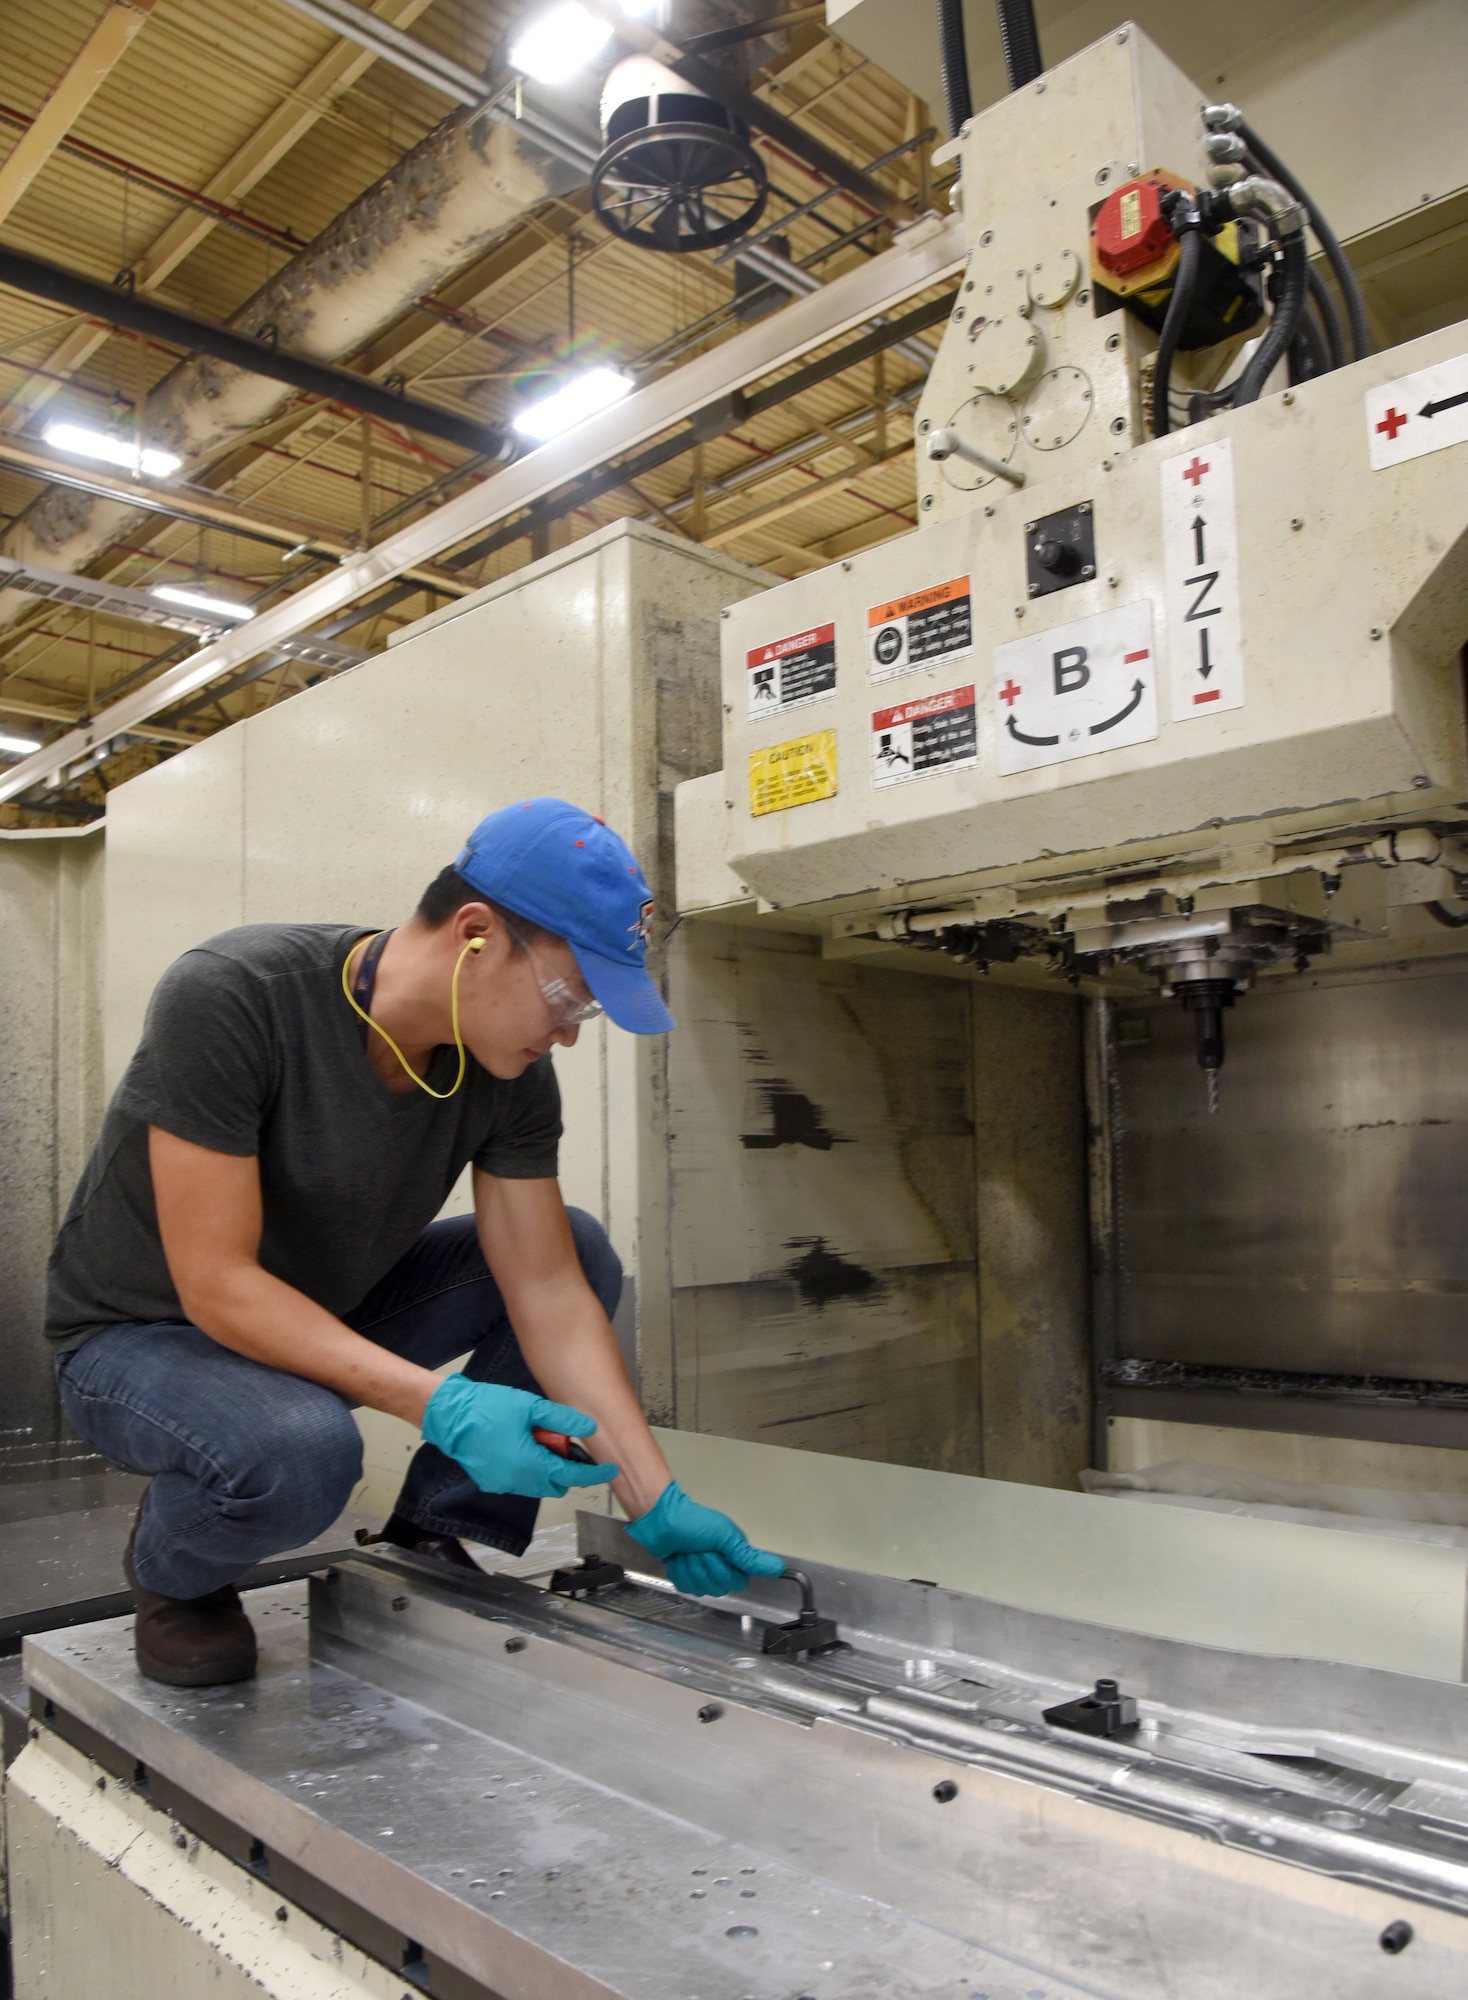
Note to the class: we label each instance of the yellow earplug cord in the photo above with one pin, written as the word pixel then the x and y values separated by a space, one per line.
pixel 474 944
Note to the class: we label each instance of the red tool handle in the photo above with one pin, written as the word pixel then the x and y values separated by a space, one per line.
pixel 563 1446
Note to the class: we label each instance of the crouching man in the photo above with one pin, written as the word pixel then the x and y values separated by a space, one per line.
pixel 251 1250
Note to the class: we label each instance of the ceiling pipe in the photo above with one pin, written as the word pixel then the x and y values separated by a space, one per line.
pixel 142 315
pixel 436 210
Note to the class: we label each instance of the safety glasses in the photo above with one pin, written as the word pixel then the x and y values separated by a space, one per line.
pixel 567 1008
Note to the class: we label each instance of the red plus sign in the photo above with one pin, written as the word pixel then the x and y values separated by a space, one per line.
pixel 1391 423
pixel 1010 693
pixel 1195 471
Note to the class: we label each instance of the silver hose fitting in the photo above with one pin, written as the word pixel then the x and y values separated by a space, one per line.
pixel 1254 195
pixel 1222 117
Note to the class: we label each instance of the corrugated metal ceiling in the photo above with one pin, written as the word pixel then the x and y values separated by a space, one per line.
pixel 189 96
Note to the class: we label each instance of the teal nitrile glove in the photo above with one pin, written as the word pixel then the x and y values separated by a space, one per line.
pixel 486 1428
pixel 703 1552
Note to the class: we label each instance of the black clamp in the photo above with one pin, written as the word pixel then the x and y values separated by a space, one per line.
pixel 808 1633
pixel 591 1573
pixel 1107 1712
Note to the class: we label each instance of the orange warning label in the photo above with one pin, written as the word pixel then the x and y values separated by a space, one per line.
pixel 920 600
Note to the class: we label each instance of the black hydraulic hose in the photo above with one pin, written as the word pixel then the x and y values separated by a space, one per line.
pixel 1178 308
pixel 1271 164
pixel 1330 320
pixel 1309 356
pixel 1021 40
pixel 1289 310
pixel 957 96
pixel 1453 920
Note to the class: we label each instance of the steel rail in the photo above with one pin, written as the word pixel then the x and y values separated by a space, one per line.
pixel 920 257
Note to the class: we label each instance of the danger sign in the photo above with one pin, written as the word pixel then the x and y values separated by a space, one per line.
pixel 790 672
pixel 919 738
pixel 927 629
pixel 1076 690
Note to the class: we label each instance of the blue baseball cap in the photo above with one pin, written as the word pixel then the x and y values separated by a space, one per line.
pixel 565 870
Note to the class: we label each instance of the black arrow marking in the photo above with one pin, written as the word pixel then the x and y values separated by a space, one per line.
pixel 1121 714
pixel 1443 403
pixel 1205 667
pixel 1040 742
pixel 1199 524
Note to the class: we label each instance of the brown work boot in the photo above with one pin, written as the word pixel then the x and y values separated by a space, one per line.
pixel 189 1641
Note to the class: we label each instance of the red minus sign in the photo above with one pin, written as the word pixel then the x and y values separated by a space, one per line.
pixel 1128 658
pixel 1213 694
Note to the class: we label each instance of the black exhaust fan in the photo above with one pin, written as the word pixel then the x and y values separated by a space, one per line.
pixel 677 171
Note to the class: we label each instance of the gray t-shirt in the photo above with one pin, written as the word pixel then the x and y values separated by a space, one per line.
pixel 250 1048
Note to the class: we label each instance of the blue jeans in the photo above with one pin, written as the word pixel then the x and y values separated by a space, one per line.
pixel 248 1461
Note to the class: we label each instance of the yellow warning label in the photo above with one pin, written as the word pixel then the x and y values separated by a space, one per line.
pixel 796 773
pixel 1131 213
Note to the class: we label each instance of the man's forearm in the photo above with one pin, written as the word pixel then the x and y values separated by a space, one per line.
pixel 573 1354
pixel 252 1313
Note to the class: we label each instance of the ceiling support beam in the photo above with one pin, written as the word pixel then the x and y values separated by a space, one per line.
pixel 257 357
pixel 920 258
pixel 266 147
pixel 79 82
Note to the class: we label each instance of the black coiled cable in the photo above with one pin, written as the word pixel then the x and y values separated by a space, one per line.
pixel 1021 40
pixel 957 95
pixel 1269 163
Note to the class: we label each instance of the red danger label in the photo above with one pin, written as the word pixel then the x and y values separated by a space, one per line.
pixel 789 672
pixel 919 738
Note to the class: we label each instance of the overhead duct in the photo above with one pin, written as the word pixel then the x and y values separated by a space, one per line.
pixel 440 206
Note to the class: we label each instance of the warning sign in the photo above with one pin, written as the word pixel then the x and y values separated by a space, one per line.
pixel 1418 413
pixel 927 629
pixel 921 738
pixel 1200 554
pixel 790 672
pixel 796 773
pixel 1076 690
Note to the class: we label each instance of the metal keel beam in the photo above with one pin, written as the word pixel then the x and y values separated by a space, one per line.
pixel 258 357
pixel 921 257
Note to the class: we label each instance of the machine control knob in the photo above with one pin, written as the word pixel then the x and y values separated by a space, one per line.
pixel 1057 557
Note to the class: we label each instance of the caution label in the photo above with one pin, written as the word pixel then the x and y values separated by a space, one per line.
pixel 927 629
pixel 920 738
pixel 790 672
pixel 796 773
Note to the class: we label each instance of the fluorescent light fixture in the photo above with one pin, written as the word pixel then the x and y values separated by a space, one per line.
pixel 111 450
pixel 580 397
pixel 559 43
pixel 17 746
pixel 217 607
